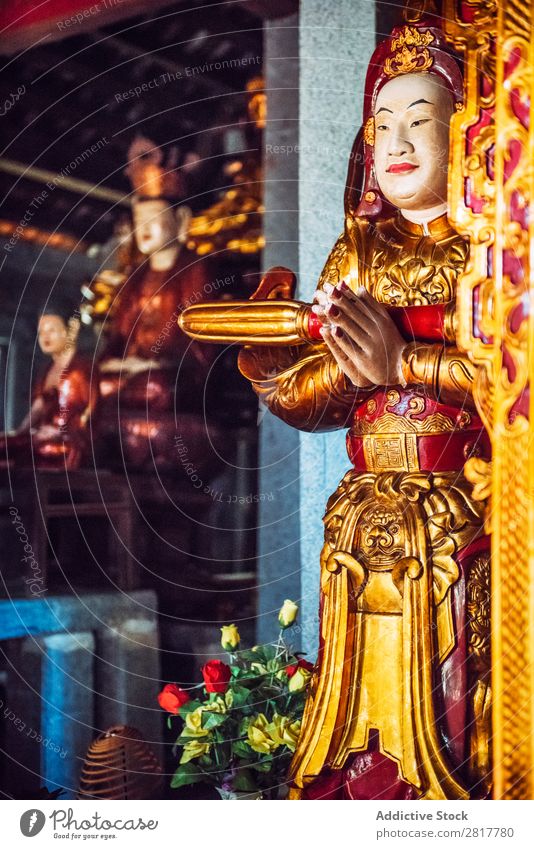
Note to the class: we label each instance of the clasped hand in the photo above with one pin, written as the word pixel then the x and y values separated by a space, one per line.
pixel 361 336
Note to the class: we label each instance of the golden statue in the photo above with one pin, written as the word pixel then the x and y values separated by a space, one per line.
pixel 399 704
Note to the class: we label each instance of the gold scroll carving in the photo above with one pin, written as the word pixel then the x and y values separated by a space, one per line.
pixel 492 155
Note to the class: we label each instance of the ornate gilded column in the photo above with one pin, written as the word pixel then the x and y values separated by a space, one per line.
pixel 492 201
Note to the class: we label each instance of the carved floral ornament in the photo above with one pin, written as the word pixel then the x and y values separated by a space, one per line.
pixel 411 52
pixel 412 282
pixel 369 131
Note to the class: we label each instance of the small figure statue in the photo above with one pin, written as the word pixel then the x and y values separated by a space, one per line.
pixel 55 434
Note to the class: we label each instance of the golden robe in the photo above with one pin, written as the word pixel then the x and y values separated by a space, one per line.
pixel 404 569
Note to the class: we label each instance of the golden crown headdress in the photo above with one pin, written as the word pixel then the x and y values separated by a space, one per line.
pixel 409 52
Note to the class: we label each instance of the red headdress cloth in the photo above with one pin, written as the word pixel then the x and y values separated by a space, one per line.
pixel 413 48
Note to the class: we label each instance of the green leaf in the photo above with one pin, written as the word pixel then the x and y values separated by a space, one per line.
pixel 242 750
pixel 224 753
pixel 213 720
pixel 244 781
pixel 169 723
pixel 248 656
pixel 262 766
pixel 243 727
pixel 269 652
pixel 187 774
pixel 241 695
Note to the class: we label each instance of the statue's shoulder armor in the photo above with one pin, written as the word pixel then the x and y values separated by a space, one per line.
pixel 337 265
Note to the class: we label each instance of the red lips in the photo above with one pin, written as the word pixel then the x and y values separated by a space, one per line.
pixel 401 168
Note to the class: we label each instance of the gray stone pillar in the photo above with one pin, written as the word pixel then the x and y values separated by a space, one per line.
pixel 66 708
pixel 279 521
pixel 128 678
pixel 336 42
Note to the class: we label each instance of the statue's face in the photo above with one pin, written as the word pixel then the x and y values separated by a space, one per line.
pixel 155 225
pixel 52 332
pixel 412 116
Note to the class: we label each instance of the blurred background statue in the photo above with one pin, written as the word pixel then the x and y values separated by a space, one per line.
pixel 55 433
pixel 151 372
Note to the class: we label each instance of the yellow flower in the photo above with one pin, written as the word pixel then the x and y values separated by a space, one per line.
pixel 230 638
pixel 259 738
pixel 218 705
pixel 193 750
pixel 193 723
pixel 288 613
pixel 284 731
pixel 299 680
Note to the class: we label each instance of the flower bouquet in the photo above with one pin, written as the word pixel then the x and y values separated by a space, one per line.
pixel 239 729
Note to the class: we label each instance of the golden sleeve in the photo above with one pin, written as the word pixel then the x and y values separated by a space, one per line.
pixel 447 372
pixel 303 385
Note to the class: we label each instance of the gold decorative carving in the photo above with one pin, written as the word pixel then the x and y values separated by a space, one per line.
pixel 389 549
pixel 369 131
pixel 391 452
pixel 234 222
pixel 411 52
pixel 395 423
pixel 492 143
pixel 406 61
pixel 412 37
pixel 478 615
pixel 479 646
pixel 429 277
pixel 391 423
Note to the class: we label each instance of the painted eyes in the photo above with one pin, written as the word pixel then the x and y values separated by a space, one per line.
pixel 417 123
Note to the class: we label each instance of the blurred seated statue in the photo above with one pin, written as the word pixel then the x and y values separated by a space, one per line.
pixel 151 371
pixel 55 434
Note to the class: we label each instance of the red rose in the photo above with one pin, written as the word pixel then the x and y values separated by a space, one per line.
pixel 172 697
pixel 216 676
pixel 303 664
